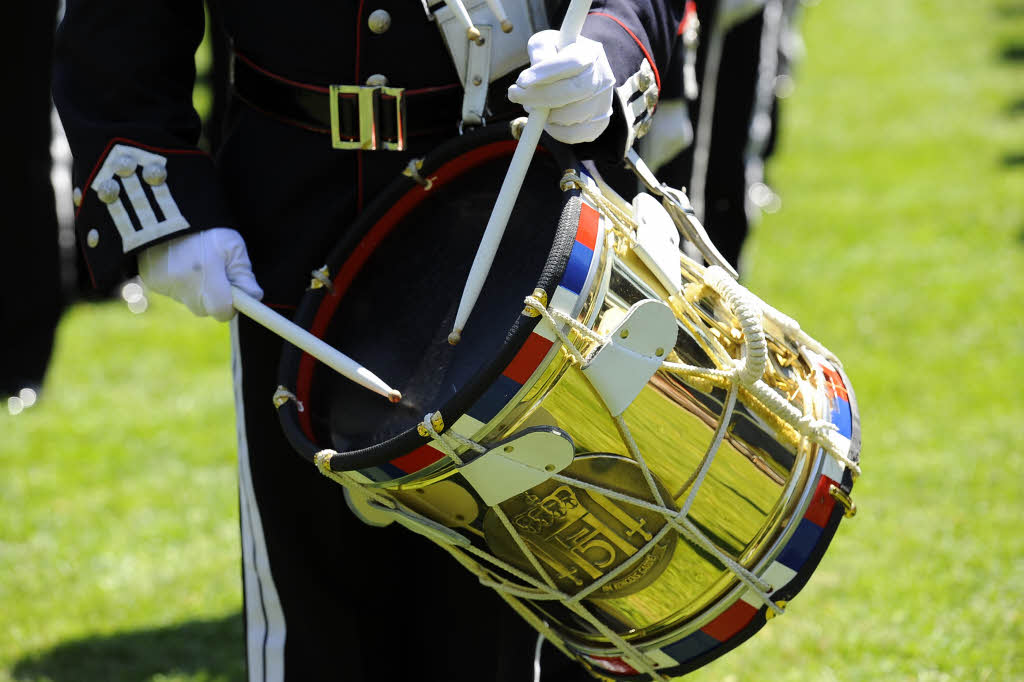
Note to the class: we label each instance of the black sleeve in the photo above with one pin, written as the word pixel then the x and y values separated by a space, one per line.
pixel 638 37
pixel 123 77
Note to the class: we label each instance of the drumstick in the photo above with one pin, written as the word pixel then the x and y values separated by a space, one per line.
pixel 299 337
pixel 513 182
pixel 472 32
pixel 499 12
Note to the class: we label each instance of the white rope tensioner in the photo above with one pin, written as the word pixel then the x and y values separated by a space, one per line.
pixel 432 426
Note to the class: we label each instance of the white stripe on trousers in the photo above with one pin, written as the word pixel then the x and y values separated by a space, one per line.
pixel 264 618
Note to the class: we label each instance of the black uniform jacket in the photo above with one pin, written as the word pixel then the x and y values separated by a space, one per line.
pixel 123 85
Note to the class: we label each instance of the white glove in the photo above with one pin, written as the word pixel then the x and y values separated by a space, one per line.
pixel 576 84
pixel 199 270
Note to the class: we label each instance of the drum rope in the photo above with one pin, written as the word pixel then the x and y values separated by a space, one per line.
pixel 640 660
pixel 553 317
pixel 621 568
pixel 443 439
pixel 510 592
pixel 283 395
pixel 820 431
pixel 681 524
pixel 745 306
pixel 523 547
pixel 745 372
pixel 594 586
pixel 551 591
pixel 534 589
pixel 748 308
pixel 697 478
pixel 505 588
pixel 696 372
pixel 792 329
pixel 634 450
pixel 483 575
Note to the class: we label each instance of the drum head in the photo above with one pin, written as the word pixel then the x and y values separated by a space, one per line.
pixel 397 278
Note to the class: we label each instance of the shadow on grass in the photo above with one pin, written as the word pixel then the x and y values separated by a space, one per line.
pixel 207 650
pixel 1013 52
pixel 1010 10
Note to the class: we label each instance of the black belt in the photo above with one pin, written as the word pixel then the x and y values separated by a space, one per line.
pixel 355 116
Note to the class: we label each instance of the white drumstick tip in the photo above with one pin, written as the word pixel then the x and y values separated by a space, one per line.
pixel 315 346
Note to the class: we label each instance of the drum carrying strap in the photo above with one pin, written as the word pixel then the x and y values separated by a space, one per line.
pixel 486 40
pixel 678 206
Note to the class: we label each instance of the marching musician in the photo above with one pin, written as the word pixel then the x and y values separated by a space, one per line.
pixel 297 161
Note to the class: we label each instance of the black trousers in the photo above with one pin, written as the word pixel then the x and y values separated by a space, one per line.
pixel 326 596
pixel 32 300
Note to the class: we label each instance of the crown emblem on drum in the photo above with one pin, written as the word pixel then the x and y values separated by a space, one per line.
pixel 582 536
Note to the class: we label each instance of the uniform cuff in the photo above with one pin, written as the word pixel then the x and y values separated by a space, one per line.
pixel 138 195
pixel 637 84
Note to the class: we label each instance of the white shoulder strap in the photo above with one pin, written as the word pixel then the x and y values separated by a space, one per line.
pixel 486 40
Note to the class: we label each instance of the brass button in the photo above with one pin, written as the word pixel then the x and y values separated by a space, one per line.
pixel 651 100
pixel 126 165
pixel 377 80
pixel 154 174
pixel 379 21
pixel 108 190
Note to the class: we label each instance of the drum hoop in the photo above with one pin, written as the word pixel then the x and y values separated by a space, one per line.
pixel 443 165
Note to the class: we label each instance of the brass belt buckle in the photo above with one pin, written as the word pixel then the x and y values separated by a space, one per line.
pixel 368 111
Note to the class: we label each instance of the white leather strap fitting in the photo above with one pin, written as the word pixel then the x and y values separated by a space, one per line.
pixel 478 77
pixel 499 53
pixel 638 97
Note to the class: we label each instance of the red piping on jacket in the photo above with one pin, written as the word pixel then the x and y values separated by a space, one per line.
pixel 657 76
pixel 359 152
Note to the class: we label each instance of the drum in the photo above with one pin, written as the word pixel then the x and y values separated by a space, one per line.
pixel 645 460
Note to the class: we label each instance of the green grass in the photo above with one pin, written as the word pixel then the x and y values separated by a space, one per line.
pixel 900 245
pixel 118 530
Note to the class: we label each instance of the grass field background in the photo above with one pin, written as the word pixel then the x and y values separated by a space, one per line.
pixel 900 245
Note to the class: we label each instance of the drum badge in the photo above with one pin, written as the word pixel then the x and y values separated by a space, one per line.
pixel 582 536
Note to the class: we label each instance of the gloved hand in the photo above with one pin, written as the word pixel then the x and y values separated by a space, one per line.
pixel 198 270
pixel 576 84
